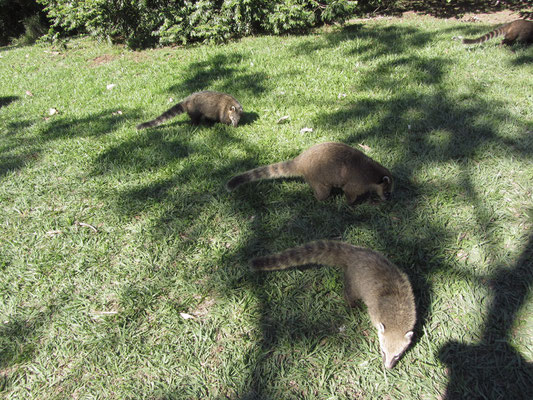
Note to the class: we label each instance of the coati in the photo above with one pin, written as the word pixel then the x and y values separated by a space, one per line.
pixel 368 276
pixel 520 29
pixel 215 106
pixel 325 166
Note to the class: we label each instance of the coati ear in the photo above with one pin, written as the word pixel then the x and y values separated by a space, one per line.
pixel 381 328
pixel 385 179
pixel 232 108
pixel 409 335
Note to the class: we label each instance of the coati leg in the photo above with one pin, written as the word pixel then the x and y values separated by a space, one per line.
pixel 320 190
pixel 508 40
pixel 351 192
pixel 350 293
pixel 196 118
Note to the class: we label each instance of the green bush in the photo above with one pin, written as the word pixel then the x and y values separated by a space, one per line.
pixel 141 23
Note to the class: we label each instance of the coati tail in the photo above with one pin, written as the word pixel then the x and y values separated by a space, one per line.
pixel 170 113
pixel 271 171
pixel 484 38
pixel 327 252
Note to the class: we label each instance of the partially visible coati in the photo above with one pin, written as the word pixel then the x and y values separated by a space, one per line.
pixel 215 106
pixel 368 276
pixel 520 29
pixel 325 166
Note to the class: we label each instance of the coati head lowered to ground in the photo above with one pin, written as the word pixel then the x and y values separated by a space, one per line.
pixel 368 276
pixel 325 166
pixel 213 106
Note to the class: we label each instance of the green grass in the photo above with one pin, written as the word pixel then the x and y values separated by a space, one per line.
pixel 109 234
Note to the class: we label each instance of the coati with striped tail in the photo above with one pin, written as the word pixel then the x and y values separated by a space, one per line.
pixel 214 106
pixel 325 166
pixel 368 276
pixel 520 29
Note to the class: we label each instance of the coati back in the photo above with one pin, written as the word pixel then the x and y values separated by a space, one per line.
pixel 520 29
pixel 325 166
pixel 368 276
pixel 215 106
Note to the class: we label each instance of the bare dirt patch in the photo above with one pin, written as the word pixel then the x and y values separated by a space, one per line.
pixel 103 59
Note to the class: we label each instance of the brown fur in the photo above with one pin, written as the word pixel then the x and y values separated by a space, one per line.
pixel 368 276
pixel 325 166
pixel 518 30
pixel 214 106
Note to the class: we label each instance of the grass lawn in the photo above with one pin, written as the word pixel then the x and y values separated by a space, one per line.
pixel 112 238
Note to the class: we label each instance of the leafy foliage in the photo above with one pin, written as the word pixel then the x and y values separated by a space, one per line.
pixel 141 23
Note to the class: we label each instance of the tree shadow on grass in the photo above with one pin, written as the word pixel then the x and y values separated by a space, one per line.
pixel 26 151
pixel 6 100
pixel 436 128
pixel 221 72
pixel 18 338
pixel 439 128
pixel 492 368
pixel 367 41
pixel 523 59
pixel 96 124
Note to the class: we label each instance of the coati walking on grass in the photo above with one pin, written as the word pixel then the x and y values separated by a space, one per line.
pixel 368 276
pixel 325 166
pixel 520 29
pixel 215 106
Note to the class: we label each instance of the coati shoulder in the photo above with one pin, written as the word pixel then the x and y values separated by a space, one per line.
pixel 368 276
pixel 214 106
pixel 325 166
pixel 519 30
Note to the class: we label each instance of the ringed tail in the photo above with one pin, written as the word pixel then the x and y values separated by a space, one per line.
pixel 496 32
pixel 277 170
pixel 326 252
pixel 170 113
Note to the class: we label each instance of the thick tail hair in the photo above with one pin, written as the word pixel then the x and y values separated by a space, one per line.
pixel 278 170
pixel 170 113
pixel 327 252
pixel 484 38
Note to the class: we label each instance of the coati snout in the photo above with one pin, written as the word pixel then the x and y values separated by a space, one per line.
pixel 234 114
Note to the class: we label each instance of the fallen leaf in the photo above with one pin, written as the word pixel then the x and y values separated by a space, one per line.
pixel 186 316
pixel 283 119
pixel 28 93
pixel 118 112
pixel 111 86
pixel 97 313
pixel 170 100
pixel 462 255
pixel 364 147
pixel 52 111
pixel 87 226
pixel 341 95
pixel 305 130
